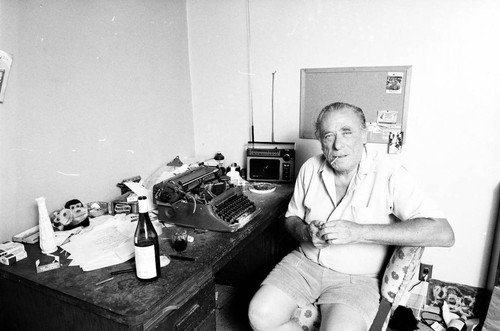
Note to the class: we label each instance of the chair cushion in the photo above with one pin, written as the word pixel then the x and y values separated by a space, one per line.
pixel 308 317
pixel 399 272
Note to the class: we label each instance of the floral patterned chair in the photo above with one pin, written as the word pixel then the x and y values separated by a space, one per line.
pixel 397 276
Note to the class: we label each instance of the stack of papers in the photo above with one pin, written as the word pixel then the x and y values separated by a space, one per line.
pixel 109 240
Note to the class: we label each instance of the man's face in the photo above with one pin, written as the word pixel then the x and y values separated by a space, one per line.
pixel 342 139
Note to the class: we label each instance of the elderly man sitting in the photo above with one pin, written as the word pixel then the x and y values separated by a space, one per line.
pixel 347 209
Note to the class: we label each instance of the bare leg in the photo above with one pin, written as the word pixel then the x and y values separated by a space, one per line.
pixel 339 317
pixel 271 309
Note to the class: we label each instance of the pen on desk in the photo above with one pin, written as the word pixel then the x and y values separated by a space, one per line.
pixel 181 257
pixel 77 231
pixel 124 271
pixel 173 256
pixel 163 262
pixel 104 281
pixel 67 239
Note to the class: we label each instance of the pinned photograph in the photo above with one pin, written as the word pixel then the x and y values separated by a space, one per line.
pixel 395 142
pixel 394 82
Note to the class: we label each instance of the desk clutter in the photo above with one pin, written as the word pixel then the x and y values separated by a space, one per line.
pixel 199 195
pixel 113 298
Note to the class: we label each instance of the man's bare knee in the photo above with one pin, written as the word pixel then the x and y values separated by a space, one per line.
pixel 270 309
pixel 257 315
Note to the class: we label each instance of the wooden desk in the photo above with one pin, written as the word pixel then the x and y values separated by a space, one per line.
pixel 182 299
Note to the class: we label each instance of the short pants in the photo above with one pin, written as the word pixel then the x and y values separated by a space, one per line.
pixel 308 282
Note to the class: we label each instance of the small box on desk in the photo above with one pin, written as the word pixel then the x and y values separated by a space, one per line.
pixel 29 236
pixel 125 204
pixel 11 252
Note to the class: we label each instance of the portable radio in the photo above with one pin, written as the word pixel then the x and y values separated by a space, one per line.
pixel 271 161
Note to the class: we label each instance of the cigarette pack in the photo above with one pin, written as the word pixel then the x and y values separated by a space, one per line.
pixel 9 246
pixel 11 259
pixel 14 250
pixel 11 252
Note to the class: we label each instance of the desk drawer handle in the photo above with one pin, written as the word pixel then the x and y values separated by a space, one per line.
pixel 180 326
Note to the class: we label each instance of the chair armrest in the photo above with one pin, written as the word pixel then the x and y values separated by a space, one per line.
pixel 399 272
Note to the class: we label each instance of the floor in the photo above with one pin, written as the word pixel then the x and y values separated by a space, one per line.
pixel 232 306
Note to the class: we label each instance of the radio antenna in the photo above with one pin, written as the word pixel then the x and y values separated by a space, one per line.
pixel 272 108
pixel 250 95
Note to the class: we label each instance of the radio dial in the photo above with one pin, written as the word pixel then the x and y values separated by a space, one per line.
pixel 286 157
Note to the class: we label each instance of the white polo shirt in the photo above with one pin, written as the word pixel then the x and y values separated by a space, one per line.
pixel 381 192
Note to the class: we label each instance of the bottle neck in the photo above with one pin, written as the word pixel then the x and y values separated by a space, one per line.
pixel 143 206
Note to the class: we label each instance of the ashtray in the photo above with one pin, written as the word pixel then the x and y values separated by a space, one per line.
pixel 262 188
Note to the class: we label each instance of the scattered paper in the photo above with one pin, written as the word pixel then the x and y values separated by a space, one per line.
pixel 107 243
pixel 109 240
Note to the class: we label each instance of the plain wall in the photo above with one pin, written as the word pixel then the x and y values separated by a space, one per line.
pixel 99 91
pixel 453 141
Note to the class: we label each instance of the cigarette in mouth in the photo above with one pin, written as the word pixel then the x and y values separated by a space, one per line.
pixel 335 159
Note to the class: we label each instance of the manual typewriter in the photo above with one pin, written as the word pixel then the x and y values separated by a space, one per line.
pixel 203 198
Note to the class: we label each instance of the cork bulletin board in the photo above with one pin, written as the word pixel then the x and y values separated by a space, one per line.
pixel 382 93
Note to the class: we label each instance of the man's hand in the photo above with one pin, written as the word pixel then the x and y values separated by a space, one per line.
pixel 340 232
pixel 316 236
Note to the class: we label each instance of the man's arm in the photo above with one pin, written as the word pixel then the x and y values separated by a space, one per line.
pixel 435 232
pixel 298 229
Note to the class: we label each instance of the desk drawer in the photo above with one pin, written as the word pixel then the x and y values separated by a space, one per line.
pixel 196 314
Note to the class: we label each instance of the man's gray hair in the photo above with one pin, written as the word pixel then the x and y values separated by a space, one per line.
pixel 337 106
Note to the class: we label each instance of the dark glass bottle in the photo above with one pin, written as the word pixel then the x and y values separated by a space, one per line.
pixel 147 247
